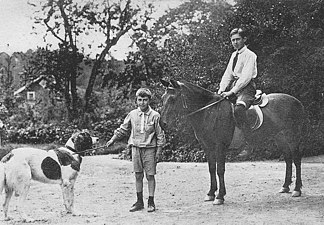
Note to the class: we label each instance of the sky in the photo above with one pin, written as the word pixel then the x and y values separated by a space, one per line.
pixel 16 27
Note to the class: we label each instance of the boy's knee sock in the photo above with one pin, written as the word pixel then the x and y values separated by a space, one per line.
pixel 151 199
pixel 139 196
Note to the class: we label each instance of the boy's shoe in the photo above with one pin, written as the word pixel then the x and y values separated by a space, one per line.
pixel 137 206
pixel 151 207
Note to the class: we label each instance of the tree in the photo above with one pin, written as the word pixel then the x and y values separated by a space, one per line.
pixel 288 39
pixel 114 20
pixel 61 21
pixel 69 21
pixel 53 67
pixel 182 44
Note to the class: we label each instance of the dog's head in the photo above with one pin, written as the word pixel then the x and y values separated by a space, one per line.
pixel 80 141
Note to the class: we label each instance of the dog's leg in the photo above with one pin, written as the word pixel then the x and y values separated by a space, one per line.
pixel 8 195
pixel 18 179
pixel 68 195
pixel 21 202
pixel 2 177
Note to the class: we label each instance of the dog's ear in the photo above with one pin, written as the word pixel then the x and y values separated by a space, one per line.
pixel 82 141
pixel 75 135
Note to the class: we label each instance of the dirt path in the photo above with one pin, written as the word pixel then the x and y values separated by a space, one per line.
pixel 105 191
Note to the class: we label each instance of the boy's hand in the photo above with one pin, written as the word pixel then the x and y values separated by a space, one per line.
pixel 227 94
pixel 158 155
pixel 110 142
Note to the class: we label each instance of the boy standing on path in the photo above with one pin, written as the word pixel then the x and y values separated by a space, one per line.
pixel 146 139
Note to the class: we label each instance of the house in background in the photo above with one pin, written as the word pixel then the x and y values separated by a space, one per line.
pixel 28 92
pixel 35 98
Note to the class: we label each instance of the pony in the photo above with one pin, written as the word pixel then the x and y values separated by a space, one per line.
pixel 211 116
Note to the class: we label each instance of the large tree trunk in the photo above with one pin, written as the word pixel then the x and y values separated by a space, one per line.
pixel 92 79
pixel 74 94
pixel 67 99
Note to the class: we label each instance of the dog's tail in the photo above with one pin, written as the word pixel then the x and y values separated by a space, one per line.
pixel 2 177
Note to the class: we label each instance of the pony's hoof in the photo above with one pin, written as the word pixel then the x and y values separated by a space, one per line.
pixel 296 194
pixel 209 198
pixel 284 190
pixel 218 202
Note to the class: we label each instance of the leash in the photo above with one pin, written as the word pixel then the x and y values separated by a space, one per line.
pixel 205 107
pixel 87 150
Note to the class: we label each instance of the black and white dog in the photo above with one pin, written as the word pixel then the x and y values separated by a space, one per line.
pixel 59 166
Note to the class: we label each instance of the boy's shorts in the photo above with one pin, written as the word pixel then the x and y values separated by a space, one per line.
pixel 144 160
pixel 247 95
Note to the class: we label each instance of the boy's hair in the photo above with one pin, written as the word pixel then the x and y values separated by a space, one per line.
pixel 239 31
pixel 144 92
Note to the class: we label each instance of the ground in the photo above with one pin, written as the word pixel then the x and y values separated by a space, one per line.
pixel 105 191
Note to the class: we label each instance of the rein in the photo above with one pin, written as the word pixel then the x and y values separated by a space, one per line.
pixel 203 108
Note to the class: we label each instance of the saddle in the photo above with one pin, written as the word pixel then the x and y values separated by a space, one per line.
pixel 254 117
pixel 254 113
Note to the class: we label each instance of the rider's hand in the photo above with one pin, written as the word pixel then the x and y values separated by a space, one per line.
pixel 226 94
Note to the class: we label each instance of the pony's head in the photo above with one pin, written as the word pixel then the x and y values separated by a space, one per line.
pixel 172 102
pixel 183 98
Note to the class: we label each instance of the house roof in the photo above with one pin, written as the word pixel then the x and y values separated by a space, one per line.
pixel 35 81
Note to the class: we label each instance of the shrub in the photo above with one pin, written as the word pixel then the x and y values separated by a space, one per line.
pixel 41 134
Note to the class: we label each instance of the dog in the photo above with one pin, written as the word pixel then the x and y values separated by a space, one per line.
pixel 58 166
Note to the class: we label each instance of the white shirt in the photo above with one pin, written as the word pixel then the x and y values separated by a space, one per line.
pixel 245 70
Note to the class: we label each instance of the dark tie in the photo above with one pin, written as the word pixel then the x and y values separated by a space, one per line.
pixel 235 61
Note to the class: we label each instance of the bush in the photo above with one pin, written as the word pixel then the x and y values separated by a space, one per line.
pixel 41 134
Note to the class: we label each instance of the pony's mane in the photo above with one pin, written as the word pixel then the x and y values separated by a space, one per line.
pixel 199 94
pixel 198 90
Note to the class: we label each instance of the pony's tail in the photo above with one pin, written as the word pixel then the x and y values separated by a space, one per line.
pixel 305 132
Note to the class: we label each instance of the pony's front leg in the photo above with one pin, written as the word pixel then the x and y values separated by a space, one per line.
pixel 212 172
pixel 220 173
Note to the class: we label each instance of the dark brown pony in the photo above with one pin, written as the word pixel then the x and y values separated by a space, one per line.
pixel 284 119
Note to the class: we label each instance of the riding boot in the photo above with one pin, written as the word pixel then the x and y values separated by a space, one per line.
pixel 242 123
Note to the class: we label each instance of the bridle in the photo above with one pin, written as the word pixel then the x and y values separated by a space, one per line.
pixel 185 105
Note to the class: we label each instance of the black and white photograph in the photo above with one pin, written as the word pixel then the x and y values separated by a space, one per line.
pixel 178 112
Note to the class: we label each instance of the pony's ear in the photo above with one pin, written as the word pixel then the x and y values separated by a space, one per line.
pixel 165 83
pixel 175 83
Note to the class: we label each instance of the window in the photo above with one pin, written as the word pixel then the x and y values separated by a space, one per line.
pixel 31 96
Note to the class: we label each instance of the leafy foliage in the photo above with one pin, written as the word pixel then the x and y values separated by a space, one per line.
pixel 191 42
pixel 41 133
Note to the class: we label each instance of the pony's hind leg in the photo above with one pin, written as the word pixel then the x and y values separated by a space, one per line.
pixel 288 160
pixel 284 147
pixel 293 137
pixel 289 144
pixel 297 155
